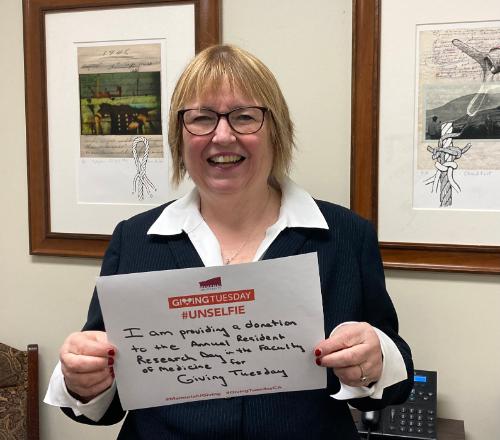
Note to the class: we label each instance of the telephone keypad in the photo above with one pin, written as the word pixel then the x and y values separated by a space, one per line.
pixel 411 420
pixel 416 418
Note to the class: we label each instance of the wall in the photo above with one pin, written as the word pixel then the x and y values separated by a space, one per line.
pixel 451 321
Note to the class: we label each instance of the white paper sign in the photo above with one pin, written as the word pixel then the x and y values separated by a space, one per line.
pixel 214 332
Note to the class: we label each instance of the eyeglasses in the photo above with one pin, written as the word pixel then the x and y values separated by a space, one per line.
pixel 243 120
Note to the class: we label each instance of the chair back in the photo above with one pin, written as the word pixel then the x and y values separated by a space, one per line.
pixel 19 393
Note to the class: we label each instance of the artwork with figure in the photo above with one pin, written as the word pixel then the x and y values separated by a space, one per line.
pixel 445 156
pixel 120 114
pixel 457 136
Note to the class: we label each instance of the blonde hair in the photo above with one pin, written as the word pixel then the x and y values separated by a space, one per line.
pixel 244 72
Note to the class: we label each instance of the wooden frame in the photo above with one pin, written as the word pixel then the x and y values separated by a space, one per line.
pixel 32 400
pixel 364 160
pixel 42 240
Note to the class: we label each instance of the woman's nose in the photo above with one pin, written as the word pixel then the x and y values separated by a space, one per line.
pixel 223 133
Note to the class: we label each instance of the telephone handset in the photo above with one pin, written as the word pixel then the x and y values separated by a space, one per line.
pixel 414 419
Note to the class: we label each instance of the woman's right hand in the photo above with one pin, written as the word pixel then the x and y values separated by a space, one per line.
pixel 87 364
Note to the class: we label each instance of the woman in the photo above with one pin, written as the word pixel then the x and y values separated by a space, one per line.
pixel 230 131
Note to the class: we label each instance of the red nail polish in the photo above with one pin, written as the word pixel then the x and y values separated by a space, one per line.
pixel 111 361
pixel 317 352
pixel 318 361
pixel 112 372
pixel 111 352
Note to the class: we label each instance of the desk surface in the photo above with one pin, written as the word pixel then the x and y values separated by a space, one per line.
pixel 447 429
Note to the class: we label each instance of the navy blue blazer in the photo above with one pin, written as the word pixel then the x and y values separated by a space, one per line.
pixel 353 289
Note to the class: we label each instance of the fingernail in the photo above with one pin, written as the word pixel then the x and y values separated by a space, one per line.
pixel 111 352
pixel 317 352
pixel 318 361
pixel 112 372
pixel 111 361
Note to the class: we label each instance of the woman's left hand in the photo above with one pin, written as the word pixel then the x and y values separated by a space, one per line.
pixel 353 352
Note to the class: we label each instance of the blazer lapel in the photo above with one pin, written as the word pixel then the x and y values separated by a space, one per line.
pixel 184 252
pixel 289 242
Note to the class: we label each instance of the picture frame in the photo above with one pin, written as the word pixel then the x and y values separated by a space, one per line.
pixel 365 153
pixel 204 18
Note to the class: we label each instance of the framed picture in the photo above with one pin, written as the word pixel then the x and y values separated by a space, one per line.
pixel 426 132
pixel 99 75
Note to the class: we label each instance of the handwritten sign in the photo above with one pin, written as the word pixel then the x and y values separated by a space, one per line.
pixel 216 332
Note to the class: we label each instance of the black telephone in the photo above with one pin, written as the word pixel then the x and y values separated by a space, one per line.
pixel 414 419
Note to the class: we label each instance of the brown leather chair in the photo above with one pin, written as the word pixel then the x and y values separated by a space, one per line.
pixel 19 393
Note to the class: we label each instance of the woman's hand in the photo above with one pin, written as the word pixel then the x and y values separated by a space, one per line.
pixel 354 353
pixel 87 364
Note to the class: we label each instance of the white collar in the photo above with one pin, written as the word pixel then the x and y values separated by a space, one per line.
pixel 298 210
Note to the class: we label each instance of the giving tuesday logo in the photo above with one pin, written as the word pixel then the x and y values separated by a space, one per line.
pixel 211 295
pixel 210 284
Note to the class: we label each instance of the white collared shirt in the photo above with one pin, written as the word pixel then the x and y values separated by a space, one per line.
pixel 298 210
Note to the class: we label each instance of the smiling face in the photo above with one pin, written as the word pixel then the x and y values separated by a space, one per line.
pixel 225 162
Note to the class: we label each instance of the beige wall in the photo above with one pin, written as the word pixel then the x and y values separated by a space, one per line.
pixel 451 321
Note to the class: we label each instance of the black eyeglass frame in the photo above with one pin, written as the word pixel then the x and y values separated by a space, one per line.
pixel 264 110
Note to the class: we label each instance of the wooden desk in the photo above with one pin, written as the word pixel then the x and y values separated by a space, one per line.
pixel 447 429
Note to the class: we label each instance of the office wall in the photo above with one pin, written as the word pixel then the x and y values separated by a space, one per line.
pixel 451 321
